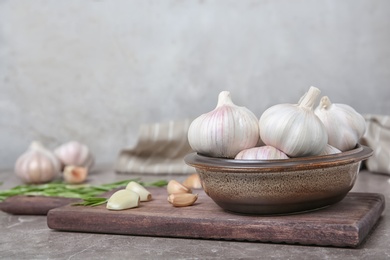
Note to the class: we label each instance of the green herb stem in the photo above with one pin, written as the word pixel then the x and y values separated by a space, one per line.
pixel 61 189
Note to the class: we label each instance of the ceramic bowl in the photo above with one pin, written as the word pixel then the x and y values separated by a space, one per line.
pixel 279 186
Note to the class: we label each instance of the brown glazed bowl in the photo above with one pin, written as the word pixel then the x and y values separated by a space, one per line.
pixel 279 186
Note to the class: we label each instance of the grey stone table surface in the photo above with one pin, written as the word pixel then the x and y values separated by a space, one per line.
pixel 28 237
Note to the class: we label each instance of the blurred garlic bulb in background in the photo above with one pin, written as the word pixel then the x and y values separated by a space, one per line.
pixel 261 153
pixel 343 124
pixel 37 165
pixel 75 154
pixel 294 128
pixel 224 131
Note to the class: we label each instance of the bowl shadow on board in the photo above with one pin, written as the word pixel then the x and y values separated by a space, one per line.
pixel 279 187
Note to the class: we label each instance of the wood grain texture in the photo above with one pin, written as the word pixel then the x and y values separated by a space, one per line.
pixel 345 224
pixel 33 205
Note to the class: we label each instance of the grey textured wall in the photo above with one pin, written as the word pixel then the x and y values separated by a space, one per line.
pixel 94 71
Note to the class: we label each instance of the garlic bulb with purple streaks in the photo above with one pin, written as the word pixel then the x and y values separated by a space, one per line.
pixel 261 153
pixel 75 154
pixel 343 124
pixel 224 131
pixel 37 165
pixel 294 128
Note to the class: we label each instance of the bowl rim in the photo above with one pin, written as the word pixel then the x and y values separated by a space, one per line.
pixel 358 154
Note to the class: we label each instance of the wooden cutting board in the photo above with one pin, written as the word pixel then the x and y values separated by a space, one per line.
pixel 345 224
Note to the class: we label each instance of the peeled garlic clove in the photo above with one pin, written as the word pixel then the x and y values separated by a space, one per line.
pixel 343 124
pixel 123 199
pixel 261 153
pixel 143 193
pixel 37 165
pixel 75 153
pixel 75 175
pixel 225 131
pixel 182 199
pixel 294 128
pixel 174 186
pixel 330 150
pixel 193 181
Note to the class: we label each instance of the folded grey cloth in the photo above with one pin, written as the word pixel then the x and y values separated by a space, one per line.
pixel 377 137
pixel 160 149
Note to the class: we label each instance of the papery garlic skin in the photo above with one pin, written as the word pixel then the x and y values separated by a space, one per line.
pixel 37 165
pixel 224 131
pixel 75 153
pixel 294 128
pixel 174 186
pixel 343 124
pixel 261 153
pixel 182 199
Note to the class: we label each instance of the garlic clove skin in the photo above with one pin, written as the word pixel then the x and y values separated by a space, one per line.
pixel 193 181
pixel 75 153
pixel 75 175
pixel 224 131
pixel 182 199
pixel 123 199
pixel 37 165
pixel 294 128
pixel 261 153
pixel 143 193
pixel 343 124
pixel 330 150
pixel 174 186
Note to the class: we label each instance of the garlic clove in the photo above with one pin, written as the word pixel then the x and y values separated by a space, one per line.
pixel 193 181
pixel 294 128
pixel 75 175
pixel 343 124
pixel 75 153
pixel 37 165
pixel 174 186
pixel 182 199
pixel 224 131
pixel 261 153
pixel 123 199
pixel 330 150
pixel 143 193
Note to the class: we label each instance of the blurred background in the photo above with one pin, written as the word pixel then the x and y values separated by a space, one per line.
pixel 94 71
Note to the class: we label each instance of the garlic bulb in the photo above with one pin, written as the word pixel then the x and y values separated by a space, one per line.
pixel 224 131
pixel 261 153
pixel 37 165
pixel 294 128
pixel 330 150
pixel 343 124
pixel 74 153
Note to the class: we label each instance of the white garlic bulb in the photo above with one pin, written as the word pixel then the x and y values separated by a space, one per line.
pixel 75 154
pixel 330 150
pixel 343 124
pixel 37 165
pixel 294 128
pixel 224 131
pixel 261 153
